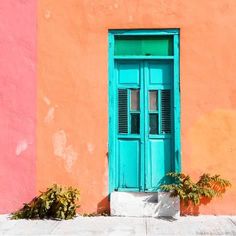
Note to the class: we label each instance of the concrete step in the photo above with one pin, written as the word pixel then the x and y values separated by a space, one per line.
pixel 155 204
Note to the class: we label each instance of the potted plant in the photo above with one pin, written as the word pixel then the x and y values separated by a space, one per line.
pixel 191 193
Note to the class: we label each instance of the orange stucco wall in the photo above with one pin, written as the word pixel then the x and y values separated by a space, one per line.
pixel 72 98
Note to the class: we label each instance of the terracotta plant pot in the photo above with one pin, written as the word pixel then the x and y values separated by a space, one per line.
pixel 190 209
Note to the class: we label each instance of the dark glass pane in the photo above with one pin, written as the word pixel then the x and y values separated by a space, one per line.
pixel 135 123
pixel 153 123
pixel 153 100
pixel 135 99
pixel 144 45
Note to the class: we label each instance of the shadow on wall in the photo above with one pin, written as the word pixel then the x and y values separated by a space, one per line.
pixel 164 180
pixel 191 209
pixel 103 206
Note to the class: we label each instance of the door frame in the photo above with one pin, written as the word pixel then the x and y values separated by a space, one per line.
pixel 112 161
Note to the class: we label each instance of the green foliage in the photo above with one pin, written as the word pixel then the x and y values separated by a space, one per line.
pixel 95 214
pixel 56 203
pixel 188 191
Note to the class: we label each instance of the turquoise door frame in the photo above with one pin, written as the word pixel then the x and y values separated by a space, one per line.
pixel 112 88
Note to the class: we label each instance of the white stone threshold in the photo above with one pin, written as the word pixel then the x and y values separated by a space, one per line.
pixel 155 204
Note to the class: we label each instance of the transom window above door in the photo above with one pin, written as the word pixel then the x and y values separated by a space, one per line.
pixel 144 46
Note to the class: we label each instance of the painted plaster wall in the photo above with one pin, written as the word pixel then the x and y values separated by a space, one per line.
pixel 71 102
pixel 17 102
pixel 72 89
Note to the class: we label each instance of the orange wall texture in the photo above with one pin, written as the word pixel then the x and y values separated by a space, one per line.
pixel 72 89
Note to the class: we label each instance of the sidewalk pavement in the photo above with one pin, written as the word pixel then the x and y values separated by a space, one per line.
pixel 121 226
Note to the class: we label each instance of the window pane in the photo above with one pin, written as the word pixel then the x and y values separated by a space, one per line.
pixel 135 99
pixel 135 123
pixel 153 100
pixel 153 123
pixel 144 45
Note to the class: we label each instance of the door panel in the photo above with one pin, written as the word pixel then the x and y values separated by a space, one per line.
pixel 129 164
pixel 160 72
pixel 158 155
pixel 158 162
pixel 129 73
pixel 144 123
pixel 129 135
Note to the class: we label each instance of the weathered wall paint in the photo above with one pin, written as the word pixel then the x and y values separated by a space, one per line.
pixel 72 89
pixel 17 103
pixel 72 147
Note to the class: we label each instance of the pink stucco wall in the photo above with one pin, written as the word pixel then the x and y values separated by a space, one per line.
pixel 17 102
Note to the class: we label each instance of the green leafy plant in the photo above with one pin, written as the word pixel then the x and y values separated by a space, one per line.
pixel 56 202
pixel 95 214
pixel 188 191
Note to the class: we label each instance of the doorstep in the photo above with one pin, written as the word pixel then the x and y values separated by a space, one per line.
pixel 155 204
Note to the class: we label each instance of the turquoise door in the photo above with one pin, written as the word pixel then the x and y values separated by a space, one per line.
pixel 144 108
pixel 144 123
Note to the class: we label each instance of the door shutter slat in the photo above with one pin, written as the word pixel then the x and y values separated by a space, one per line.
pixel 166 111
pixel 122 111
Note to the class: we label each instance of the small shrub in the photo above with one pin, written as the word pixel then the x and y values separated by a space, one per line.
pixel 207 186
pixel 55 203
pixel 94 214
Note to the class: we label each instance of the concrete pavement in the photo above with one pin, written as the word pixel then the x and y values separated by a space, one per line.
pixel 121 226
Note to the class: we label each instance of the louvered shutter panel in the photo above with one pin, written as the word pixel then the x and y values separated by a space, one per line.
pixel 122 111
pixel 166 111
